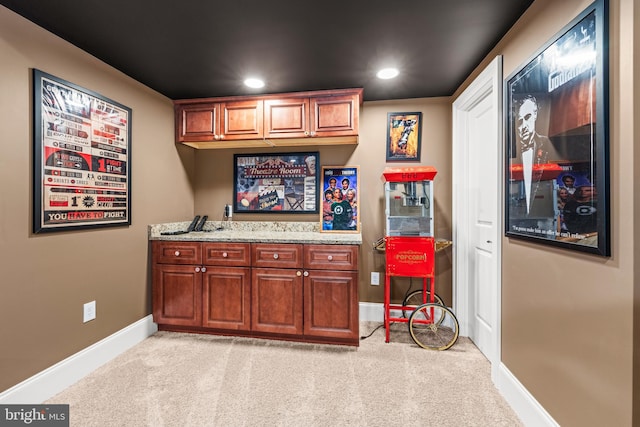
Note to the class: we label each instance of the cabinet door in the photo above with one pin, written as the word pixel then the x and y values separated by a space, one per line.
pixel 177 295
pixel 226 298
pixel 198 122
pixel 242 120
pixel 334 115
pixel 286 118
pixel 276 301
pixel 331 304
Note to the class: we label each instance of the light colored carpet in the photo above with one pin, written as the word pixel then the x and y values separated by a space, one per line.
pixel 176 379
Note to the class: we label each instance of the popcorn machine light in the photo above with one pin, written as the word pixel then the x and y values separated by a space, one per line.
pixel 409 239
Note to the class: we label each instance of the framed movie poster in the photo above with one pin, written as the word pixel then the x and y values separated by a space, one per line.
pixel 557 169
pixel 82 157
pixel 340 193
pixel 276 183
pixel 404 132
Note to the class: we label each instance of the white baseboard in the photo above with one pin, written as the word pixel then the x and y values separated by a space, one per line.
pixel 371 312
pixel 531 413
pixel 56 378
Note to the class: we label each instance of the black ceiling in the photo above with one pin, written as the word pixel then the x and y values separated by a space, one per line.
pixel 205 48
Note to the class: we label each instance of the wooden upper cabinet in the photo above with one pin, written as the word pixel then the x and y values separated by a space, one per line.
pixel 294 119
pixel 197 122
pixel 334 116
pixel 286 118
pixel 242 120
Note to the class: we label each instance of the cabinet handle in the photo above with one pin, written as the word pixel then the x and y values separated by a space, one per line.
pixel 177 253
pixel 298 273
pixel 313 133
pixel 197 269
pixel 221 136
pixel 216 137
pixel 276 256
pixel 330 257
pixel 306 274
pixel 204 269
pixel 224 254
pixel 306 133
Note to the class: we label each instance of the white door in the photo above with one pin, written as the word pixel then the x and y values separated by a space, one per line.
pixel 477 165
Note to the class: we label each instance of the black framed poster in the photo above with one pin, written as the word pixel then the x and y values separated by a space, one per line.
pixel 82 157
pixel 557 165
pixel 276 183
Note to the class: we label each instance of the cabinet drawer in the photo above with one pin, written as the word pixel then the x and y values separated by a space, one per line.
pixel 226 254
pixel 276 255
pixel 331 257
pixel 176 252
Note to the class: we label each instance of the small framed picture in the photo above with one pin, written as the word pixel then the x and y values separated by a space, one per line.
pixel 340 193
pixel 404 132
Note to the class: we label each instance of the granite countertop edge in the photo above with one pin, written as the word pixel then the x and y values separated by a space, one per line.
pixel 255 232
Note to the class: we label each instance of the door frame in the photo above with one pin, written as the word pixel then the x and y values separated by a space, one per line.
pixel 488 83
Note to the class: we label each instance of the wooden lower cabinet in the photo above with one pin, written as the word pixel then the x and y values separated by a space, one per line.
pixel 226 299
pixel 177 295
pixel 283 291
pixel 331 304
pixel 276 301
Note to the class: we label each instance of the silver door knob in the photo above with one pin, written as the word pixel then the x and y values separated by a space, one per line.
pixel 275 256
pixel 177 253
pixel 306 274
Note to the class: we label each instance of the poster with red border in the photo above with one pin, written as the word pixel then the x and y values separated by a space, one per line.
pixel 82 174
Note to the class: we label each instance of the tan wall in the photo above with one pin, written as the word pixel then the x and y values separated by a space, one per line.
pixel 45 279
pixel 214 184
pixel 567 317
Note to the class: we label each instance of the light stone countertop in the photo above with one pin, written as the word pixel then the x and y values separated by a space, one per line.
pixel 256 231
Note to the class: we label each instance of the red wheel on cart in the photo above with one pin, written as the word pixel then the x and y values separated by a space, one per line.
pixel 414 299
pixel 427 332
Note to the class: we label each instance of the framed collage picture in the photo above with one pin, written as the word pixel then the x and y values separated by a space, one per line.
pixel 276 183
pixel 340 192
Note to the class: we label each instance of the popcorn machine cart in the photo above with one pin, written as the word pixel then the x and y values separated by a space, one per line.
pixel 410 249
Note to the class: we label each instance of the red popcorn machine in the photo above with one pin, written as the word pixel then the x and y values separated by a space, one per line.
pixel 410 248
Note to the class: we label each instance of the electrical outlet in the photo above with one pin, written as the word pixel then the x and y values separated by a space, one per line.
pixel 89 312
pixel 375 278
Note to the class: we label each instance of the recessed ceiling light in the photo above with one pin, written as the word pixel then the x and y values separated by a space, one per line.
pixel 254 83
pixel 387 73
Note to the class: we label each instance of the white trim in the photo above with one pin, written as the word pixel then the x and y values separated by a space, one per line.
pixel 56 378
pixel 488 83
pixel 529 410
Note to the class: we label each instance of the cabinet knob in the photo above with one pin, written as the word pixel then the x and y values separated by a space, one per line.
pixel 330 257
pixel 203 269
pixel 306 133
pixel 225 255
pixel 298 273
pixel 313 133
pixel 177 253
pixel 306 274
pixel 216 137
pixel 221 136
pixel 197 269
pixel 276 256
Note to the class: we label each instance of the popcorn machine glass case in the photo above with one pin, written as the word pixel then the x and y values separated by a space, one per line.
pixel 408 196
